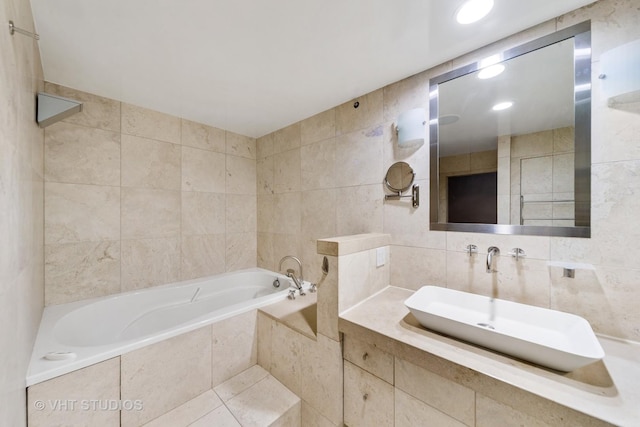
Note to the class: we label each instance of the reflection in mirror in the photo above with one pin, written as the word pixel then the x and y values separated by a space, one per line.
pixel 399 177
pixel 510 140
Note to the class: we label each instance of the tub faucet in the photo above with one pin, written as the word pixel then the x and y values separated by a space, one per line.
pixel 493 250
pixel 290 273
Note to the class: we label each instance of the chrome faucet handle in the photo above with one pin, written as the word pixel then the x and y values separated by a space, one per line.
pixel 517 253
pixel 313 288
pixel 472 249
pixel 292 294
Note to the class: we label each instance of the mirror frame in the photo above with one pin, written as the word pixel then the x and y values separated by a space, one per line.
pixel 582 167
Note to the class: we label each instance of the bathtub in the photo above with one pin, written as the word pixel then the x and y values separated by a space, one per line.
pixel 79 334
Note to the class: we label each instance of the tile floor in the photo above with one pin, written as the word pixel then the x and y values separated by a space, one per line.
pixel 251 398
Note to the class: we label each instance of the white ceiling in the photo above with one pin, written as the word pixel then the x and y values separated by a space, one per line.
pixel 253 66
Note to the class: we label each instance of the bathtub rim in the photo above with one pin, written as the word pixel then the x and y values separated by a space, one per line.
pixel 41 370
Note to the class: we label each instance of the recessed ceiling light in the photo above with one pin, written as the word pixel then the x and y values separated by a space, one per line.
pixel 448 119
pixel 473 10
pixel 502 106
pixel 492 71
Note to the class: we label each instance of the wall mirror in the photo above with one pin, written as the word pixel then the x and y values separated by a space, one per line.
pixel 510 140
pixel 399 177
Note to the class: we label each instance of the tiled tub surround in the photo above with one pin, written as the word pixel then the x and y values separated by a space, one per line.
pixel 101 328
pixel 136 198
pixel 323 177
pixel 410 374
pixel 21 208
pixel 163 376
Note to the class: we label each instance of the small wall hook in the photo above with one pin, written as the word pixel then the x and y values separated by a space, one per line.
pixel 517 253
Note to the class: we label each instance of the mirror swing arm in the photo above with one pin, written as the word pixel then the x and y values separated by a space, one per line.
pixel 400 176
pixel 581 34
pixel 415 196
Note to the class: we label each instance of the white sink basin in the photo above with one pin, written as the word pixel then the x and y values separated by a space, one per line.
pixel 550 338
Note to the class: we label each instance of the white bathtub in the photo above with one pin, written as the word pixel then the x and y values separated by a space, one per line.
pixel 94 330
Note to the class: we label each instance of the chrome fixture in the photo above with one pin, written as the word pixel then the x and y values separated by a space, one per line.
pixel 493 250
pixel 195 295
pixel 472 249
pixel 313 288
pixel 517 253
pixel 398 179
pixel 13 29
pixel 290 273
pixel 325 266
pixel 292 294
pixel 276 283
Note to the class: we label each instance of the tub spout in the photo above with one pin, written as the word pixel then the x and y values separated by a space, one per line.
pixel 290 273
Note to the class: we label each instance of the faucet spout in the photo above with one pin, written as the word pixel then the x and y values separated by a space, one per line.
pixel 493 250
pixel 290 273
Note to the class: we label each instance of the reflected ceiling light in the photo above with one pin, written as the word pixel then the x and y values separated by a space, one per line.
pixel 473 10
pixel 502 106
pixel 448 119
pixel 492 71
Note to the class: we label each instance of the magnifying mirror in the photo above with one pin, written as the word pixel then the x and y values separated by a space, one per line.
pixel 399 177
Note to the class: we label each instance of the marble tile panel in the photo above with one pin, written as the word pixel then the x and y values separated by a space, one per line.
pixel 150 164
pixel 203 170
pixel 286 138
pixel 404 95
pixel 445 395
pixel 80 155
pixel 322 378
pixel 265 146
pixel 241 213
pixel 219 417
pixel 189 412
pixel 151 124
pixel 287 353
pixel 286 171
pixel 286 213
pixel 240 251
pixel 203 255
pixel 410 412
pixel 368 113
pixel 99 382
pixel 149 213
pixel 409 226
pixel 612 23
pixel 76 271
pixel 359 270
pixel 291 418
pixel 318 213
pixel 97 111
pixel 265 251
pixel 166 375
pixel 203 213
pixel 368 400
pixel 266 213
pixel 265 175
pixel 264 404
pixel 412 268
pixel 310 417
pixel 491 413
pixel 359 210
pixel 240 145
pixel 240 382
pixel 77 213
pixel 319 127
pixel 327 310
pixel 359 157
pixel 234 346
pixel 201 136
pixel 264 326
pixel 563 140
pixel 149 262
pixel 241 175
pixel 318 165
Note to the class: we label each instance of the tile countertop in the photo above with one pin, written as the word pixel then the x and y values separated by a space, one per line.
pixel 607 390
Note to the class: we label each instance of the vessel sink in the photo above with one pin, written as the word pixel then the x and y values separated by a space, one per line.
pixel 557 340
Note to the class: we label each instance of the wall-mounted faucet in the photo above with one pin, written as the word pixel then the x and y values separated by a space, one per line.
pixel 290 273
pixel 493 250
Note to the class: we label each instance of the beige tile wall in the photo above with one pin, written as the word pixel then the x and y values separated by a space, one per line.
pixel 340 157
pixel 136 198
pixel 21 208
